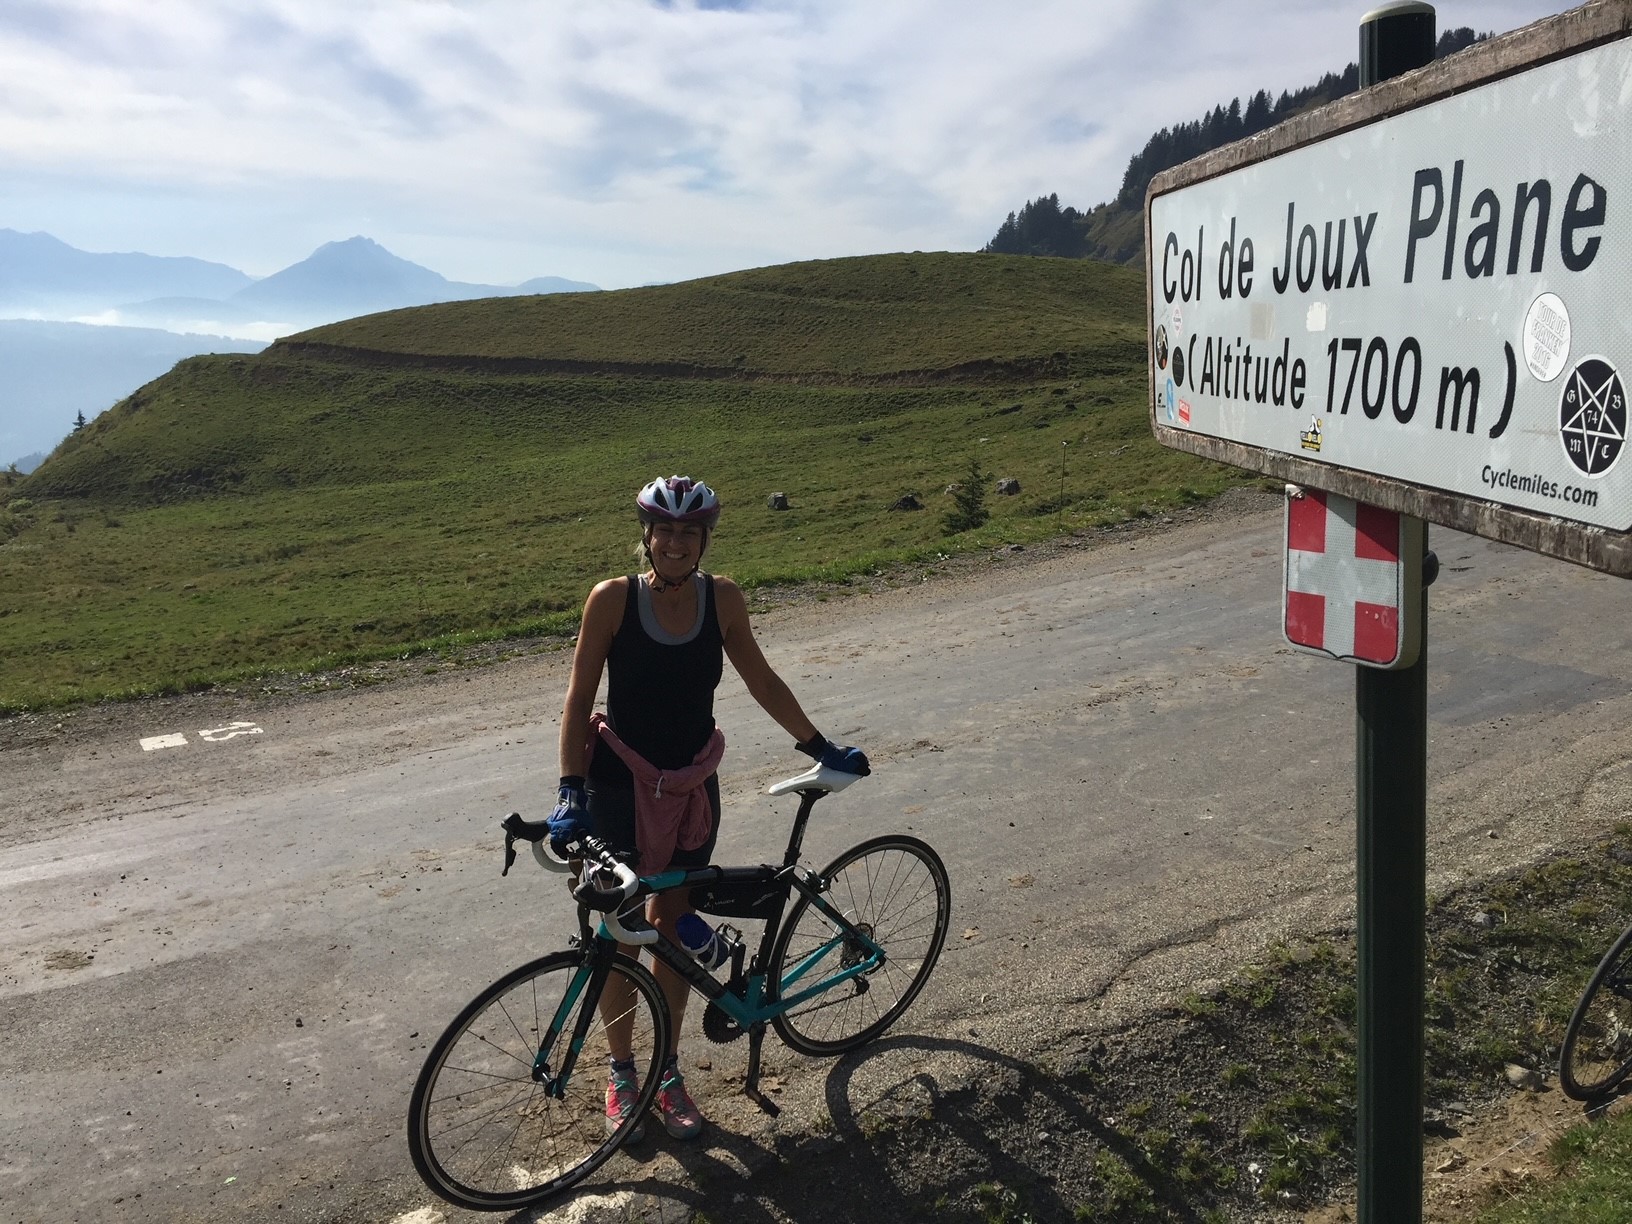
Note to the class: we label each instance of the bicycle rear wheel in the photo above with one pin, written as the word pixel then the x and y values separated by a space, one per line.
pixel 486 1135
pixel 1597 1051
pixel 892 888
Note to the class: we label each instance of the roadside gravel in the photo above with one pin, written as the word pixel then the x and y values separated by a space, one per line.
pixel 1141 1113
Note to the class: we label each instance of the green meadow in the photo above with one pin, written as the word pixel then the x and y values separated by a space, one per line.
pixel 424 477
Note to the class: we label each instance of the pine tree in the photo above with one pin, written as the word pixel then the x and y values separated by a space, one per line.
pixel 79 422
pixel 1042 227
pixel 968 501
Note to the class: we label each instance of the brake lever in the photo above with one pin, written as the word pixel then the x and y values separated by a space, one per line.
pixel 509 851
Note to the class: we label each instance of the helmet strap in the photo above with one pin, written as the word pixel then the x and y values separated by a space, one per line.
pixel 659 583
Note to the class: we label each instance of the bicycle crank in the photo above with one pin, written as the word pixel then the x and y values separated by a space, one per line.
pixel 719 1027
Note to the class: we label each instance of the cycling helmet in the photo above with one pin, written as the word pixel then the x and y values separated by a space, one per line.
pixel 678 499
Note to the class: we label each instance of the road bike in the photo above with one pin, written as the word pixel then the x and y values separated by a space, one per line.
pixel 508 1111
pixel 1597 1052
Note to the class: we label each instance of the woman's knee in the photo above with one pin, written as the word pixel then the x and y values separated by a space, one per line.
pixel 664 910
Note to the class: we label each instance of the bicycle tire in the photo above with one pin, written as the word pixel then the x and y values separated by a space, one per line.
pixel 895 887
pixel 1597 1051
pixel 483 1133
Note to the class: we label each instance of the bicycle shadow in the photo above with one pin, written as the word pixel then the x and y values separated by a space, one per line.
pixel 914 1127
pixel 1001 1122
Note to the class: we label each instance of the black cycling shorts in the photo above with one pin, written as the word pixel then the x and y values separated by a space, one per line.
pixel 612 819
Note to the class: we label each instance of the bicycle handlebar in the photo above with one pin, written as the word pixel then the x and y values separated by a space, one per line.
pixel 606 900
pixel 621 933
pixel 591 849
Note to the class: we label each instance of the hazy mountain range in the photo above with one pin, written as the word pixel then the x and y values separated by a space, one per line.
pixel 80 330
pixel 51 372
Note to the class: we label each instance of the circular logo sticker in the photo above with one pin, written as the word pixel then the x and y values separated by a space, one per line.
pixel 1161 347
pixel 1178 365
pixel 1592 416
pixel 1547 337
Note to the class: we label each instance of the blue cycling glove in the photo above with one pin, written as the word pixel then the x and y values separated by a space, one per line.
pixel 834 756
pixel 570 820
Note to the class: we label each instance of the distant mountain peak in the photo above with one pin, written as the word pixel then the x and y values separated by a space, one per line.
pixel 41 275
pixel 357 242
pixel 41 272
pixel 353 275
pixel 362 251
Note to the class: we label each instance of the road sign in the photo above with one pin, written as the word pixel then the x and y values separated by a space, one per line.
pixel 1420 296
pixel 1353 588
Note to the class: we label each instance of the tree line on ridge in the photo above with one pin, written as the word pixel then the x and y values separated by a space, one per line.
pixel 1114 230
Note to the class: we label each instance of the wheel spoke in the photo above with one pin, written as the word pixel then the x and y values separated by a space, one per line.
pixel 483 1132
pixel 893 891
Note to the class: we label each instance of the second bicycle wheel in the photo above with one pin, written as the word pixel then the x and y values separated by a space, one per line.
pixel 894 890
pixel 1597 1052
pixel 483 1132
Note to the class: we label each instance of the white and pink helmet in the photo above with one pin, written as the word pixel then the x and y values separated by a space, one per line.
pixel 678 499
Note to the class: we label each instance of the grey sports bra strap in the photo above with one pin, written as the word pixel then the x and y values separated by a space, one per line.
pixel 648 615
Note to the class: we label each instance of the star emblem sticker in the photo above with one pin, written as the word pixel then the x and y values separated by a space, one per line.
pixel 1592 416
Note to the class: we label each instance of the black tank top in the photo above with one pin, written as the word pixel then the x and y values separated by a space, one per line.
pixel 660 688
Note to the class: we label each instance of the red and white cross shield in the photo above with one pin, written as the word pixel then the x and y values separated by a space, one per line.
pixel 1353 580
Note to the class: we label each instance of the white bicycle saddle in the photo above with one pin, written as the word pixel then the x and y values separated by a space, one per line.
pixel 818 778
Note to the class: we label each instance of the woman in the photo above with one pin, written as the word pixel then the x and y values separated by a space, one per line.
pixel 661 637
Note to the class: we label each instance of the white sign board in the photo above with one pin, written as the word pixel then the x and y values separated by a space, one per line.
pixel 1441 297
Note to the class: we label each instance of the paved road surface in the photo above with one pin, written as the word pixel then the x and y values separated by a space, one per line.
pixel 221 962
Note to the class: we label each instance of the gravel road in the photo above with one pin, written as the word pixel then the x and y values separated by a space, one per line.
pixel 222 960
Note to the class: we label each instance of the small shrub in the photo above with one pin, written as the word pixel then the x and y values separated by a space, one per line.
pixel 1197 1007
pixel 1123 1195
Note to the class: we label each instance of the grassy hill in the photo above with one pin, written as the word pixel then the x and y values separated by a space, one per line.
pixel 873 317
pixel 467 469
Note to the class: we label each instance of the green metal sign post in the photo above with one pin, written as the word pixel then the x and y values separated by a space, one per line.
pixel 1391 822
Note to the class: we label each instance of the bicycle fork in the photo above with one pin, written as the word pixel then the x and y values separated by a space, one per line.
pixel 555 1084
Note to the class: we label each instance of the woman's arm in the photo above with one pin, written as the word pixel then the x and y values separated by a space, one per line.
pixel 764 685
pixel 603 613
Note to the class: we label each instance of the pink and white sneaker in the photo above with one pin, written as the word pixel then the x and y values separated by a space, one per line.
pixel 622 1091
pixel 680 1116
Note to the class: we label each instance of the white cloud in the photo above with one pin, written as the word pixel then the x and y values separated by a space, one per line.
pixel 617 141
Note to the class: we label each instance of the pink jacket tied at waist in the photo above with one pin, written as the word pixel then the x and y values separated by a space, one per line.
pixel 671 805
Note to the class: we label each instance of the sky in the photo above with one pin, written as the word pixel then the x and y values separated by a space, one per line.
pixel 620 142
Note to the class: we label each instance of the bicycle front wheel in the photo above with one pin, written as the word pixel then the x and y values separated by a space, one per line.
pixel 484 1131
pixel 893 890
pixel 1597 1051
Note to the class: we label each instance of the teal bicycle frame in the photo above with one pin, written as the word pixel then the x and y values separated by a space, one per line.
pixel 507 1111
pixel 744 997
